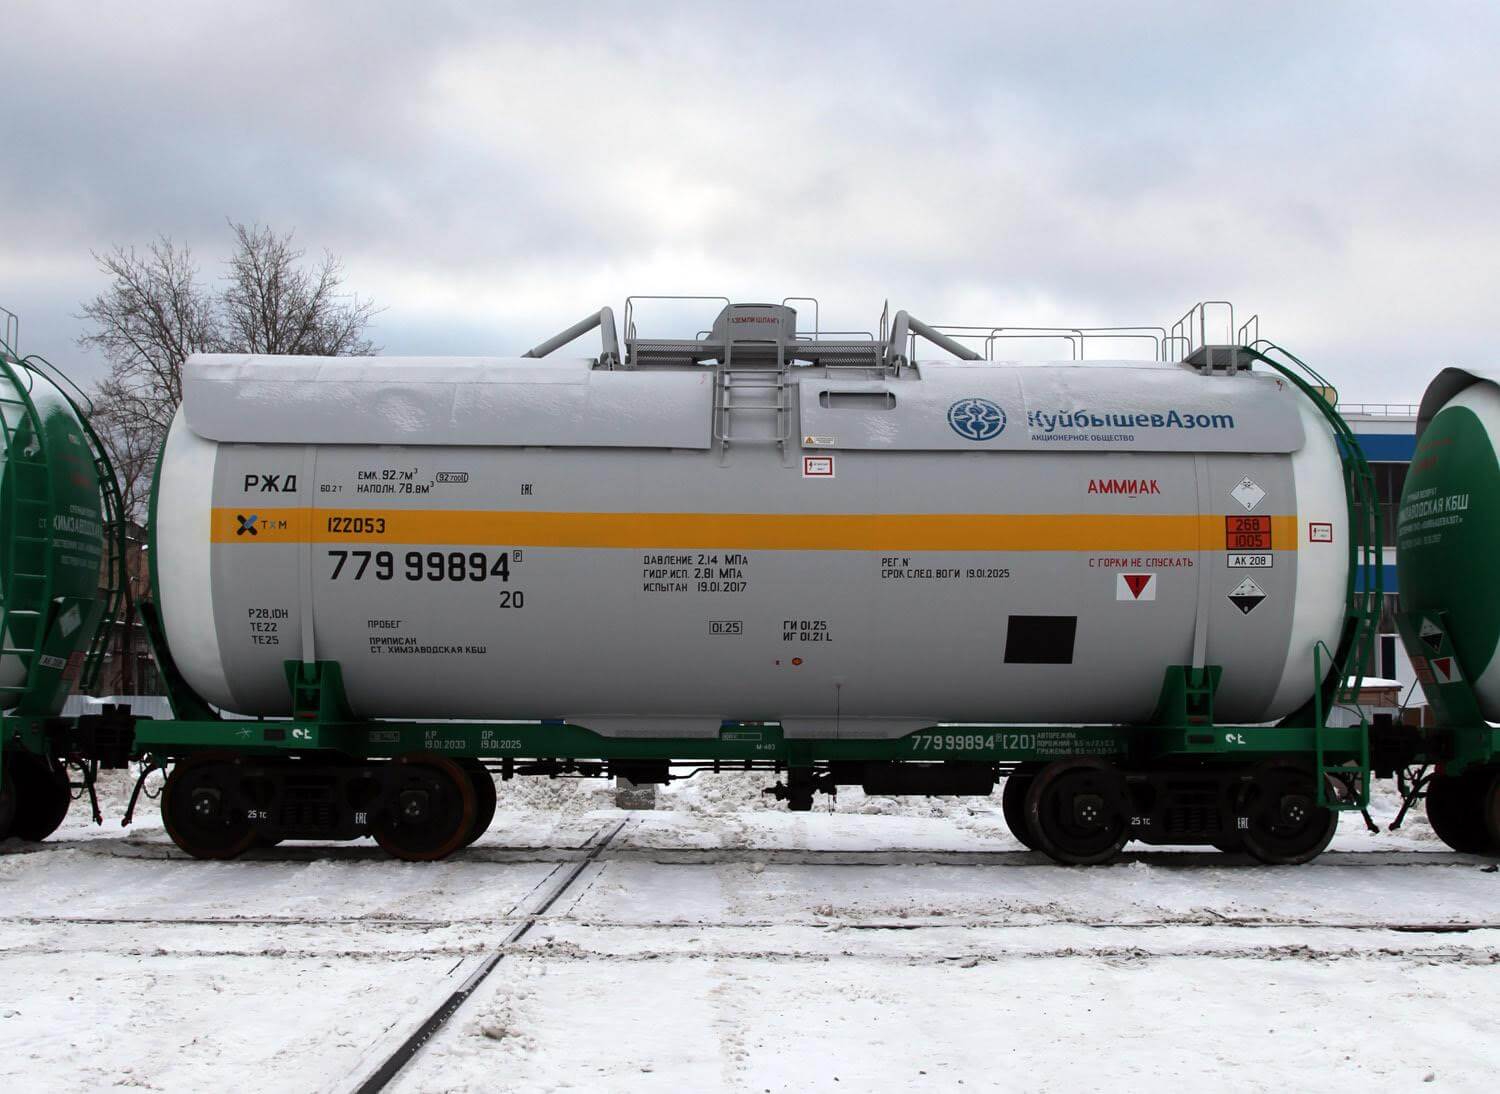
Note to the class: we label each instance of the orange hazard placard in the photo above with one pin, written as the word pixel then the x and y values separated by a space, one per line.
pixel 1247 533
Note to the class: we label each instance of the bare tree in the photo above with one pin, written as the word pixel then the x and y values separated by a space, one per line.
pixel 157 312
pixel 274 304
pixel 154 315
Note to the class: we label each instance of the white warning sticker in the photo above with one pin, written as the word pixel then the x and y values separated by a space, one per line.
pixel 1430 634
pixel 1248 493
pixel 1246 596
pixel 817 467
pixel 1135 586
pixel 1253 560
pixel 1445 669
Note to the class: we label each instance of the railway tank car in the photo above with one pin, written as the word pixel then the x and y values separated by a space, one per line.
pixel 1130 590
pixel 53 539
pixel 1448 545
pixel 865 556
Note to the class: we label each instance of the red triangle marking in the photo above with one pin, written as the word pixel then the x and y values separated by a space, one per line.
pixel 1444 666
pixel 1136 583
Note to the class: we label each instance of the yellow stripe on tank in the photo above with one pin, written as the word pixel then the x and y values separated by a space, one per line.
pixel 743 531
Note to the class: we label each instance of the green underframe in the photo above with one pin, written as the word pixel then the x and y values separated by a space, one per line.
pixel 1182 727
pixel 738 742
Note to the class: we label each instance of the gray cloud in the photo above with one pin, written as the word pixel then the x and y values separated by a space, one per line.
pixel 489 172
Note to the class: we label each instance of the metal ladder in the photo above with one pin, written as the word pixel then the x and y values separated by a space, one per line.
pixel 25 509
pixel 116 569
pixel 1363 593
pixel 751 391
pixel 26 582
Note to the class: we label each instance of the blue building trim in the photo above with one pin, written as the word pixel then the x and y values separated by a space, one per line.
pixel 1387 579
pixel 1388 447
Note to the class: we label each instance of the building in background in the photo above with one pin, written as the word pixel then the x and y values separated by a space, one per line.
pixel 1388 434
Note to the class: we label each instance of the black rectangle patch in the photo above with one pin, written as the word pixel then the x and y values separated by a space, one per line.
pixel 1040 639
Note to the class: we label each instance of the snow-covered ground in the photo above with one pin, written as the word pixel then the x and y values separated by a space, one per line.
pixel 721 943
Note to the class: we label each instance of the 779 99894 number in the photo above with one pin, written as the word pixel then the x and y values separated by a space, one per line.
pixel 420 565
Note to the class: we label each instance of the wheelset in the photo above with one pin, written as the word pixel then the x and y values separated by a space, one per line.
pixel 1464 810
pixel 1013 803
pixel 430 808
pixel 1280 820
pixel 1078 811
pixel 35 796
pixel 200 810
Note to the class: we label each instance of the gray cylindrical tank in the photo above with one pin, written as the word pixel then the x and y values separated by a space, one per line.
pixel 511 538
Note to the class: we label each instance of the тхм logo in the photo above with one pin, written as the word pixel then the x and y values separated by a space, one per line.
pixel 976 419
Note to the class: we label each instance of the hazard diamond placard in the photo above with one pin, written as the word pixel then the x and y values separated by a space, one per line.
pixel 1135 586
pixel 1246 596
pixel 1444 669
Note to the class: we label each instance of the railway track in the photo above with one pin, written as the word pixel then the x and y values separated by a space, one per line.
pixel 834 922
pixel 372 1077
pixel 1184 858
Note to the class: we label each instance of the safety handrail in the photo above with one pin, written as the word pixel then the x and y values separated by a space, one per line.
pixel 813 300
pixel 630 301
pixel 1183 328
pixel 1156 335
pixel 1072 334
pixel 32 420
pixel 1357 645
pixel 58 377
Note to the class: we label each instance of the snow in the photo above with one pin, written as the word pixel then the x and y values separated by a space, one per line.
pixel 723 943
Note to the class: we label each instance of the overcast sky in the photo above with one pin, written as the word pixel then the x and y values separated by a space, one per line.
pixel 489 172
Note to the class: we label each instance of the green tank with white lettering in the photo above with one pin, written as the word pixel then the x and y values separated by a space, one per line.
pixel 1448 534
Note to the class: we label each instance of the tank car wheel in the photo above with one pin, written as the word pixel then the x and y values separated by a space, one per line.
pixel 1284 824
pixel 42 796
pixel 1078 811
pixel 7 798
pixel 430 808
pixel 1457 808
pixel 484 798
pixel 1013 803
pixel 196 814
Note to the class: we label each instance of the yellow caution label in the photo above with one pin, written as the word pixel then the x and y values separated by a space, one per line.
pixel 883 532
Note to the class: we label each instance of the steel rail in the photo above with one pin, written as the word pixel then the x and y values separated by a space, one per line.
pixel 393 1064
